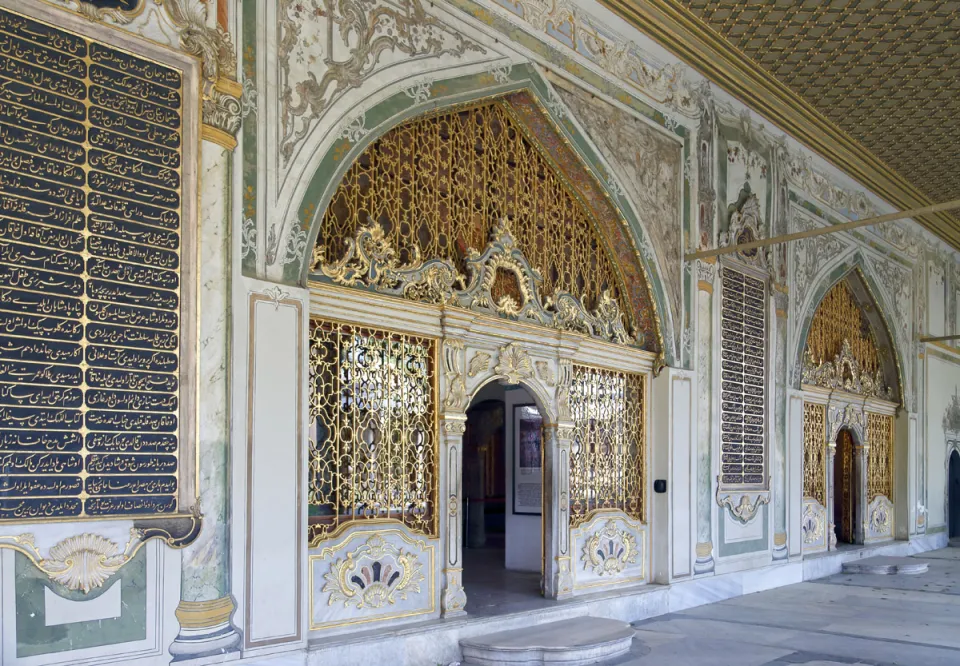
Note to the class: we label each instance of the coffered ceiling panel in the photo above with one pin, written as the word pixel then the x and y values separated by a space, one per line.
pixel 885 72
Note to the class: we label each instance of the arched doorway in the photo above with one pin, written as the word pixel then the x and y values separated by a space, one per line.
pixel 953 494
pixel 503 500
pixel 846 488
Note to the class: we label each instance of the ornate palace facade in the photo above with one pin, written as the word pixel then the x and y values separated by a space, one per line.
pixel 314 312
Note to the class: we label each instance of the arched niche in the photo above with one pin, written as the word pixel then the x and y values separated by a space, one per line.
pixel 481 206
pixel 483 295
pixel 850 381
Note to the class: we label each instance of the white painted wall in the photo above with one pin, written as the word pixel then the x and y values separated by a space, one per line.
pixel 524 546
pixel 943 381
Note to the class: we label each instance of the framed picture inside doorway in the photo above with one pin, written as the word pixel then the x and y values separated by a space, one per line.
pixel 527 460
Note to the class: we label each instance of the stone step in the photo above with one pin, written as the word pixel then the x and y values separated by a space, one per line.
pixel 574 642
pixel 883 564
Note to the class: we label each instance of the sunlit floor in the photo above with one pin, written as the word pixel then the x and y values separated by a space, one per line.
pixel 840 620
pixel 493 590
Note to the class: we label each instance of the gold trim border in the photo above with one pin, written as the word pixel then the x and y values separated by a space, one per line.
pixel 218 136
pixel 203 614
pixel 692 40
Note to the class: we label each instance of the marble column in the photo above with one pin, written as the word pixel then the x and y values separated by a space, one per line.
pixel 861 469
pixel 557 564
pixel 780 431
pixel 453 598
pixel 832 529
pixel 706 273
pixel 206 606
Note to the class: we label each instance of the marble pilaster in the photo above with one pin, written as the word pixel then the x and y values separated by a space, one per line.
pixel 453 598
pixel 704 562
pixel 557 574
pixel 206 605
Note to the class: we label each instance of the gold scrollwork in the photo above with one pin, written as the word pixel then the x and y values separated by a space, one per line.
pixel 880 456
pixel 814 451
pixel 375 574
pixel 607 450
pixel 514 364
pixel 373 403
pixel 609 550
pixel 80 562
pixel 841 351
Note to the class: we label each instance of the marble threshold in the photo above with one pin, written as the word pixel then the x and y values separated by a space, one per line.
pixel 436 642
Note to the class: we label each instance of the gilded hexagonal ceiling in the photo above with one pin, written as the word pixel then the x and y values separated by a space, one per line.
pixel 887 72
pixel 884 73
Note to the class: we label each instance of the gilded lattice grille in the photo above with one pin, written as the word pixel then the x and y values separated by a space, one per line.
pixel 607 465
pixel 814 452
pixel 880 461
pixel 373 451
pixel 438 184
pixel 839 318
pixel 743 368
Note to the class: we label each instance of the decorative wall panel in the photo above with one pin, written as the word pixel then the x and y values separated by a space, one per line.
pixel 607 454
pixel 373 452
pixel 743 371
pixel 92 200
pixel 609 549
pixel 814 452
pixel 880 461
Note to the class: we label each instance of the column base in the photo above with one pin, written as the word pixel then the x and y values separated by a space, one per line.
pixel 780 546
pixel 454 599
pixel 206 631
pixel 704 562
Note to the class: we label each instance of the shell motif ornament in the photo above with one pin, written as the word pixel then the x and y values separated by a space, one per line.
pixel 609 550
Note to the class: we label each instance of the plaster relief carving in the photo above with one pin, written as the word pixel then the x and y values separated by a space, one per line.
pixel 480 363
pixel 544 373
pixel 846 416
pixel 810 254
pixel 453 372
pixel 746 225
pixel 514 364
pixel 609 550
pixel 649 164
pixel 564 382
pixel 843 373
pixel 80 562
pixel 500 281
pixel 454 597
pixel 744 509
pixel 880 519
pixel 811 524
pixel 359 38
pixel 375 574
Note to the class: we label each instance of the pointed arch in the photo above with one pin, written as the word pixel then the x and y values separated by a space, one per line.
pixel 850 286
pixel 529 100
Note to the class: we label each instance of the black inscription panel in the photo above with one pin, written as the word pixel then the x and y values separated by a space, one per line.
pixel 742 408
pixel 90 220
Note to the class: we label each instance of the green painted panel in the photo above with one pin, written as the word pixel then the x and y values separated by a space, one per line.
pixel 35 638
pixel 744 547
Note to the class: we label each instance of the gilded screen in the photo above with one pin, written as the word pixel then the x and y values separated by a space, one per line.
pixel 607 453
pixel 880 458
pixel 438 185
pixel 838 319
pixel 742 366
pixel 90 245
pixel 373 451
pixel 814 452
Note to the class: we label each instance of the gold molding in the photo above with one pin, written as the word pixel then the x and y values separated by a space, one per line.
pixel 689 38
pixel 203 614
pixel 218 136
pixel 703 285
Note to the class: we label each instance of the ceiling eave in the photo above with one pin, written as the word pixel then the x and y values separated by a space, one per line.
pixel 695 43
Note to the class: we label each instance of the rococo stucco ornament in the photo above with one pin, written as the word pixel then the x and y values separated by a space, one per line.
pixel 811 524
pixel 371 260
pixel 375 574
pixel 514 364
pixel 843 373
pixel 609 550
pixel 743 510
pixel 80 562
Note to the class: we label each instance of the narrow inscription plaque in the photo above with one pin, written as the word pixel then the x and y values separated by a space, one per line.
pixel 90 307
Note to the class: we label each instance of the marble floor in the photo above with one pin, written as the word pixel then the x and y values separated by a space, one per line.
pixel 493 590
pixel 858 619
